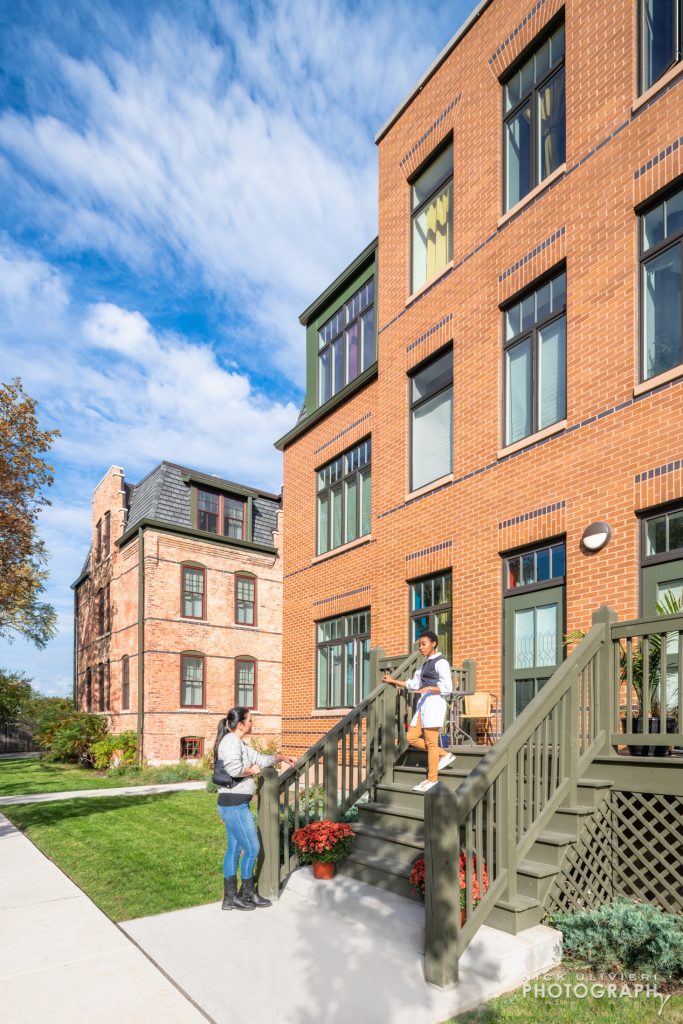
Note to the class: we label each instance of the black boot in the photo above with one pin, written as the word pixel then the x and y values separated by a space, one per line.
pixel 249 894
pixel 231 898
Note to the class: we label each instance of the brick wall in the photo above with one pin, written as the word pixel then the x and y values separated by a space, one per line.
pixel 619 153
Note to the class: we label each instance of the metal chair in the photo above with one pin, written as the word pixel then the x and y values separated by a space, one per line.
pixel 452 728
pixel 477 708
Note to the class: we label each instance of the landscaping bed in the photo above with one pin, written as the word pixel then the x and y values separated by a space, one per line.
pixel 133 856
pixel 28 775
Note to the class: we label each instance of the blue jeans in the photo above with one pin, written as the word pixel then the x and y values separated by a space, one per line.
pixel 242 835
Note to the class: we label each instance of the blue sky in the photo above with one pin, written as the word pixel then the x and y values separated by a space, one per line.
pixel 179 180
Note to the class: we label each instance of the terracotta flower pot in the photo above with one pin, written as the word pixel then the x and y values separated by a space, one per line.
pixel 462 916
pixel 323 870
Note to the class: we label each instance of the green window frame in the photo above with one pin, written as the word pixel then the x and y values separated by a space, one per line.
pixel 343 660
pixel 431 599
pixel 344 498
pixel 661 305
pixel 534 117
pixel 346 342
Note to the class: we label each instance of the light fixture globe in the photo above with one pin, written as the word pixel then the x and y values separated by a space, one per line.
pixel 596 536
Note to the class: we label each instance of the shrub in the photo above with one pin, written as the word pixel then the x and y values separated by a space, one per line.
pixel 48 715
pixel 266 744
pixel 207 760
pixel 123 744
pixel 71 739
pixel 633 937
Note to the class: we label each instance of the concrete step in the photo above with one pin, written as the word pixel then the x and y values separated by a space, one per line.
pixel 551 846
pixel 513 916
pixel 571 819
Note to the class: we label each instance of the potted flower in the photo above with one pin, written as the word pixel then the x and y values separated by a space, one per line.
pixel 323 843
pixel 417 880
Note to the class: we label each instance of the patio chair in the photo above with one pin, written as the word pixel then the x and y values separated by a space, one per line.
pixel 477 709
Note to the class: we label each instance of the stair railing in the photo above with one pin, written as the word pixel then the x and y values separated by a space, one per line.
pixel 333 774
pixel 493 818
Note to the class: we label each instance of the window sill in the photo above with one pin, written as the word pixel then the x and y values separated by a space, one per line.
pixel 546 183
pixel 526 442
pixel 654 382
pixel 661 83
pixel 428 284
pixel 433 485
pixel 191 710
pixel 330 712
pixel 190 618
pixel 358 542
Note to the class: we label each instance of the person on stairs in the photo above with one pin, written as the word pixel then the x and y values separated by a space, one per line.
pixel 431 681
pixel 243 763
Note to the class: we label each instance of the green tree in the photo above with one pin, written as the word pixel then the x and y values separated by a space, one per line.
pixel 16 697
pixel 24 474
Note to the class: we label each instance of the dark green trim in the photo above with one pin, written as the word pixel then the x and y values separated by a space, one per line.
pixel 141 639
pixel 188 531
pixel 355 385
pixel 326 297
pixel 224 486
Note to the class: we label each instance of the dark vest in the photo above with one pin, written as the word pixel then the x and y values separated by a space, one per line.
pixel 429 675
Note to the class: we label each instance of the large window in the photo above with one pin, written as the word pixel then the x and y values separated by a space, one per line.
pixel 102 686
pixel 661 238
pixel 346 343
pixel 88 690
pixel 245 599
pixel 193 600
pixel 106 534
pixel 125 683
pixel 662 587
pixel 660 38
pixel 103 610
pixel 431 197
pixel 534 128
pixel 222 514
pixel 431 420
pixel 192 680
pixel 536 360
pixel 430 608
pixel 245 682
pixel 344 494
pixel 343 660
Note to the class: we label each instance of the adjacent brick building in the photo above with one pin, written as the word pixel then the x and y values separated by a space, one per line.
pixel 166 643
pixel 524 379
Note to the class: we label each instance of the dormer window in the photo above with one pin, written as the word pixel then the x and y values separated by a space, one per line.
pixel 223 514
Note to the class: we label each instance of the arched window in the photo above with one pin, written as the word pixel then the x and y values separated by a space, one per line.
pixel 192 679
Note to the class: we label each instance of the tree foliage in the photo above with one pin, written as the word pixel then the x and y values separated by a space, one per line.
pixel 24 474
pixel 16 698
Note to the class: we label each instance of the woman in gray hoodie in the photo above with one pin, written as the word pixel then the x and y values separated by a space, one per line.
pixel 243 763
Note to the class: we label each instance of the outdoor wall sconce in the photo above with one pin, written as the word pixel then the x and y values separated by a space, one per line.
pixel 596 536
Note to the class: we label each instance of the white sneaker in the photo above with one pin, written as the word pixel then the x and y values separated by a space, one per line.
pixel 423 786
pixel 446 760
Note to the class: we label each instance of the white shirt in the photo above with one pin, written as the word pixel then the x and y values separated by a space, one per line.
pixel 431 707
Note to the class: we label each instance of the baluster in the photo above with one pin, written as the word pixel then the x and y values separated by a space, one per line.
pixel 469 841
pixel 479 841
pixel 490 797
pixel 352 758
pixel 529 784
pixel 679 703
pixel 554 779
pixel 510 840
pixel 297 807
pixel 629 685
pixel 645 710
pixel 307 794
pixel 520 761
pixel 663 659
pixel 285 827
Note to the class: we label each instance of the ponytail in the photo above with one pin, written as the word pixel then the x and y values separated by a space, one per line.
pixel 234 717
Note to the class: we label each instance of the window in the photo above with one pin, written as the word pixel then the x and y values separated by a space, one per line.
pixel 661 577
pixel 193 592
pixel 106 534
pixel 343 660
pixel 344 494
pixel 98 542
pixel 535 360
pixel 661 238
pixel 346 343
pixel 125 683
pixel 103 615
pixel 663 534
pixel 214 510
pixel 534 126
pixel 533 612
pixel 102 679
pixel 191 746
pixel 192 680
pixel 245 682
pixel 431 204
pixel 660 38
pixel 431 420
pixel 430 608
pixel 88 690
pixel 245 600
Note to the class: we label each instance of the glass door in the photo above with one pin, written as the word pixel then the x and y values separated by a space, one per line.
pixel 534 624
pixel 658 581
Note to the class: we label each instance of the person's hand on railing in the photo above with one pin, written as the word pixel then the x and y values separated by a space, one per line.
pixel 291 761
pixel 388 678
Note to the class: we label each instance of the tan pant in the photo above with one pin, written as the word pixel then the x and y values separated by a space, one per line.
pixel 430 743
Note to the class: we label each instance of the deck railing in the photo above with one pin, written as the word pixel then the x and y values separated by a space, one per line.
pixel 495 816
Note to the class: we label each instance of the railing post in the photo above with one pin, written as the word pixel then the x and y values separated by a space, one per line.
pixel 607 688
pixel 442 881
pixel 469 670
pixel 269 827
pixel 330 776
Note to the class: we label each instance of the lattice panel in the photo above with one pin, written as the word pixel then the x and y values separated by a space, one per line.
pixel 630 847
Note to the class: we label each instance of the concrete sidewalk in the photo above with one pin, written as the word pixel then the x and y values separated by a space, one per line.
pixel 42 798
pixel 63 961
pixel 331 952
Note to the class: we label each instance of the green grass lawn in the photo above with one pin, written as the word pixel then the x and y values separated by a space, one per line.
pixel 133 855
pixel 519 1008
pixel 29 775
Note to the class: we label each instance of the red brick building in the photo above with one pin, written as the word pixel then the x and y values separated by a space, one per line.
pixel 178 609
pixel 502 368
